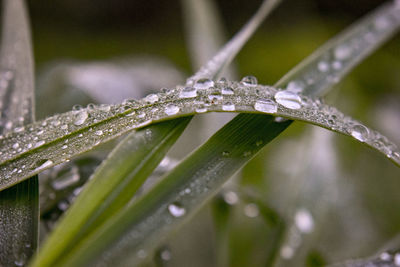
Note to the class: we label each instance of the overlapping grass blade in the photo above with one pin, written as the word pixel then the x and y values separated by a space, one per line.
pixel 112 186
pixel 142 226
pixel 19 205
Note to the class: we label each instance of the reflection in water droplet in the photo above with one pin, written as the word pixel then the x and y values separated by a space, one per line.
pixel 227 91
pixel 266 105
pixel 171 109
pixel 176 210
pixel 188 92
pixel 203 83
pixel 251 210
pixel 81 117
pixel 304 221
pixel 359 132
pixel 288 99
pixel 249 81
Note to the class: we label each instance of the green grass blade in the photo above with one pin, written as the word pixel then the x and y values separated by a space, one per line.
pixel 111 187
pixel 141 227
pixel 19 205
pixel 145 223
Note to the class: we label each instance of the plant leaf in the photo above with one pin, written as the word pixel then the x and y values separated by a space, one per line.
pixel 144 224
pixel 19 205
pixel 112 186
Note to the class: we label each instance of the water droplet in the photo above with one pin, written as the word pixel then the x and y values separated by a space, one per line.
pixel 266 105
pixel 19 129
pixel 176 210
pixel 295 86
pixel 99 132
pixel 215 96
pixel 251 210
pixel 171 109
pixel 231 197
pixel 337 65
pixel 151 98
pixel 201 110
pixel 40 143
pixel 77 107
pixel 323 66
pixel 188 92
pixel 287 252
pixel 80 118
pixel 227 91
pixel 165 255
pixel 203 83
pixel 397 259
pixel 15 145
pixel 288 99
pixel 385 256
pixel 382 23
pixel 359 132
pixel 342 52
pixel 104 107
pixel 249 81
pixel 222 80
pixel 228 106
pixel 42 164
pixel 304 221
pixel 64 147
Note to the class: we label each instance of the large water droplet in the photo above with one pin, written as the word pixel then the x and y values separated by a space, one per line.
pixel 266 105
pixel 227 91
pixel 151 98
pixel 42 164
pixel 188 92
pixel 288 99
pixel 304 221
pixel 228 106
pixel 171 109
pixel 359 132
pixel 231 197
pixel 249 81
pixel 251 210
pixel 80 117
pixel 203 83
pixel 176 210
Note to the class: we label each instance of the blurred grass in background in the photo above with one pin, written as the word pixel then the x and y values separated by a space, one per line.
pixel 364 215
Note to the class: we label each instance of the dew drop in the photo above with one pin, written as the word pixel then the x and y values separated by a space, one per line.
pixel 287 252
pixel 227 91
pixel 104 107
pixel 40 143
pixel 176 210
pixel 15 145
pixel 385 256
pixel 228 106
pixel 165 255
pixel 397 259
pixel 249 81
pixel 266 105
pixel 201 110
pixel 295 86
pixel 304 221
pixel 251 210
pixel 99 132
pixel 342 52
pixel 203 83
pixel 151 98
pixel 359 132
pixel 42 164
pixel 288 99
pixel 230 197
pixel 80 118
pixel 337 65
pixel 188 92
pixel 77 107
pixel 323 66
pixel 171 109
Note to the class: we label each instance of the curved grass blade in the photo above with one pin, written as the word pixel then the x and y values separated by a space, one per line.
pixel 139 229
pixel 19 205
pixel 112 186
pixel 241 98
pixel 59 130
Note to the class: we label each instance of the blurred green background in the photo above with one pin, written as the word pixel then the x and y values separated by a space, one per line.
pixel 356 189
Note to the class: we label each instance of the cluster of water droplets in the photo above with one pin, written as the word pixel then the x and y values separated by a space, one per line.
pixel 85 127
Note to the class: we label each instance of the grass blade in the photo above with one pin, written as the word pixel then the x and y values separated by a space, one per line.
pixel 141 227
pixel 19 205
pixel 111 187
